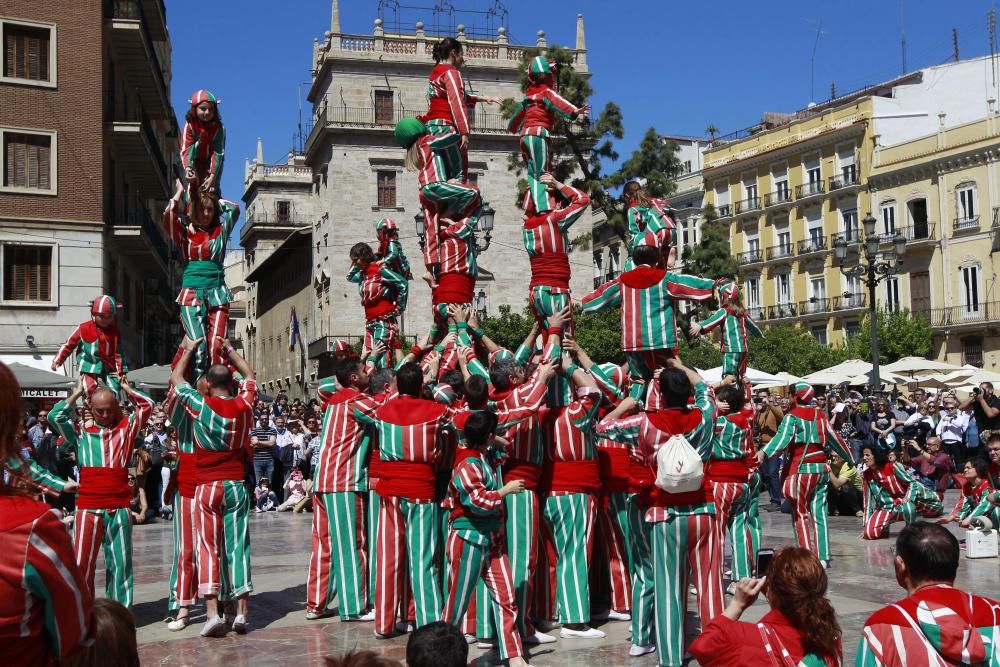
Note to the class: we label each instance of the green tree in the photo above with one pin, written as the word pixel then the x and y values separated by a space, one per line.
pixel 712 257
pixel 899 335
pixel 582 149
pixel 699 353
pixel 791 349
pixel 508 329
pixel 598 333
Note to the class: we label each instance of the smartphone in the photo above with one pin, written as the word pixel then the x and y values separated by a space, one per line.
pixel 764 557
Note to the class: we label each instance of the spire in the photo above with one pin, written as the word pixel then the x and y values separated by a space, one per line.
pixel 260 151
pixel 335 17
pixel 581 41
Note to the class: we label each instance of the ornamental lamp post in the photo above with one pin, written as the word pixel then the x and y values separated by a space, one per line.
pixel 485 221
pixel 878 266
pixel 418 221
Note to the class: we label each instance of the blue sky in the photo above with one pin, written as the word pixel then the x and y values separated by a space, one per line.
pixel 677 66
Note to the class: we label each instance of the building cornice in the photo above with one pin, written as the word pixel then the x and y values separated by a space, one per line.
pixel 932 166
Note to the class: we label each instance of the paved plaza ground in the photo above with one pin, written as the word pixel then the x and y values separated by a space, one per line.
pixel 861 580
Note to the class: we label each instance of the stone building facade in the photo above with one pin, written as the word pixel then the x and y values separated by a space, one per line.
pixel 92 140
pixel 361 86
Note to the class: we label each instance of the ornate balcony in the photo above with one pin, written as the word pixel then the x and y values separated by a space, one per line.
pixel 973 316
pixel 814 306
pixel 778 198
pixel 849 302
pixel 724 211
pixel 780 252
pixel 782 311
pixel 812 245
pixel 747 205
pixel 807 190
pixel 966 224
pixel 756 313
pixel 914 234
pixel 750 257
pixel 845 180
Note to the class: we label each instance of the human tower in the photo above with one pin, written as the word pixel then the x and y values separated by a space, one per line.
pixel 458 480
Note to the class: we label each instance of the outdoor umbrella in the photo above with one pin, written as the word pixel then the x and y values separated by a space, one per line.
pixel 910 366
pixel 839 373
pixel 788 378
pixel 756 377
pixel 883 376
pixel 29 377
pixel 151 377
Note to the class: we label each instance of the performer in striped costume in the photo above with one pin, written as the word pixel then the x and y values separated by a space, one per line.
pixel 571 480
pixel 681 522
pixel 937 625
pixel 806 432
pixel 977 495
pixel 45 602
pixel 221 424
pixel 648 215
pixel 201 236
pixel 891 494
pixel 390 250
pixel 448 102
pixel 383 296
pixel 737 327
pixel 475 541
pixel 203 144
pixel 103 452
pixel 729 471
pixel 98 348
pixel 535 119
pixel 647 295
pixel 340 492
pixel 408 428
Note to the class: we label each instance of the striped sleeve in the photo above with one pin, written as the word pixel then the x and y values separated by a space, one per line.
pixel 559 104
pixel 52 577
pixel 516 121
pixel 173 224
pixel 605 297
pixel 189 147
pixel 569 214
pixel 67 348
pixel 218 152
pixel 248 391
pixel 583 411
pixel 470 483
pixel 691 288
pixel 633 215
pixel 399 283
pixel 190 399
pixel 61 421
pixel 230 214
pixel 606 384
pixel 455 90
pixel 143 410
pixel 784 437
pixel 713 320
pixel 43 477
pixel 327 388
pixel 752 328
pixel 625 430
pixel 701 438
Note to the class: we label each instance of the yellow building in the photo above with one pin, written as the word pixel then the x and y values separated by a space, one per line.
pixel 790 189
pixel 949 181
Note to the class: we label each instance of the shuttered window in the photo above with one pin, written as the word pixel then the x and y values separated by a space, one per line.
pixel 27 160
pixel 27 273
pixel 387 189
pixel 26 52
pixel 383 107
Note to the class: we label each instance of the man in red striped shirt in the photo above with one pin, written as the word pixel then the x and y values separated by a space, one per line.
pixel 340 489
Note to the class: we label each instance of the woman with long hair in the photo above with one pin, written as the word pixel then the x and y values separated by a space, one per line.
pixel 892 494
pixel 977 493
pixel 801 624
pixel 44 599
pixel 201 231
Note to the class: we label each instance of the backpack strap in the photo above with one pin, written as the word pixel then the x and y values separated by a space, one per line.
pixel 776 650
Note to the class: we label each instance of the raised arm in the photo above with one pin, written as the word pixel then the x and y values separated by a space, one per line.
pixel 569 214
pixel 398 282
pixel 559 104
pixel 143 409
pixel 61 417
pixel 230 213
pixel 605 297
pixel 67 348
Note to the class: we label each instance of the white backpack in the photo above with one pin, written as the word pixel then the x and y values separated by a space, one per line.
pixel 679 468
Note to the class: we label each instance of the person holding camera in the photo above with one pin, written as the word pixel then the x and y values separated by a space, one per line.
pixel 845 487
pixel 951 429
pixel 933 466
pixel 985 406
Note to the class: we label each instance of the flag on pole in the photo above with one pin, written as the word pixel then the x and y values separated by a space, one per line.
pixel 293 328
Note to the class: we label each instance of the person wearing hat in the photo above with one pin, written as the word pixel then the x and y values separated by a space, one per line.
pixel 201 234
pixel 203 143
pixel 647 295
pixel 806 433
pixel 892 494
pixel 649 215
pixel 103 452
pixel 390 250
pixel 737 328
pixel 383 296
pixel 97 343
pixel 535 120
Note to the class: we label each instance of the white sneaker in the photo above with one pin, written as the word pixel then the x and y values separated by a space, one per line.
pixel 731 589
pixel 826 564
pixel 179 624
pixel 487 644
pixel 636 650
pixel 214 627
pixel 587 633
pixel 367 617
pixel 613 615
pixel 539 638
pixel 240 624
pixel 692 591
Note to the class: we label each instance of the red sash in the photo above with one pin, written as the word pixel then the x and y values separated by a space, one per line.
pixel 224 466
pixel 379 309
pixel 530 473
pixel 615 465
pixel 406 479
pixel 550 269
pixel 654 496
pixel 639 477
pixel 728 470
pixel 187 474
pixel 103 489
pixel 572 476
pixel 453 288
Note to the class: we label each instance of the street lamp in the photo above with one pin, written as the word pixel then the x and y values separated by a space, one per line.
pixel 418 220
pixel 479 303
pixel 485 222
pixel 878 266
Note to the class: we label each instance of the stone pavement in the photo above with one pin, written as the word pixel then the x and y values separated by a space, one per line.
pixel 861 580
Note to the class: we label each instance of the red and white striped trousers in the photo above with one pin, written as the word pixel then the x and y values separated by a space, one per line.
pixel 184 577
pixel 800 488
pixel 725 495
pixel 612 518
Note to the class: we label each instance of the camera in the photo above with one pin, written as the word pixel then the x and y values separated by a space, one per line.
pixel 977 391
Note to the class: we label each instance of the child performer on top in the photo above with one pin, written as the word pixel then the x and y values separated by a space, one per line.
pixel 390 250
pixel 649 215
pixel 203 144
pixel 97 344
pixel 737 327
pixel 535 119
pixel 383 296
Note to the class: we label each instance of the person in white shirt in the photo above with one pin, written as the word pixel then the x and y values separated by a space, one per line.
pixel 951 429
pixel 284 449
